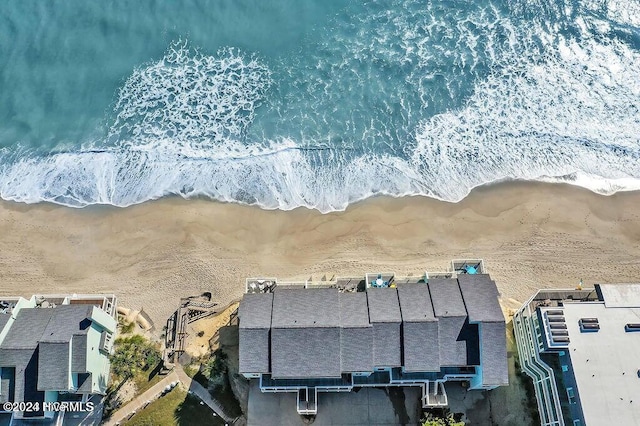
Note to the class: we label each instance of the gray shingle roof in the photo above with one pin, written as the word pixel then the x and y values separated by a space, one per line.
pixel 383 305
pixel 386 344
pixel 304 308
pixel 305 352
pixel 493 353
pixel 254 350
pixel 79 353
pixel 415 303
pixel 255 310
pixel 50 330
pixel 6 377
pixel 323 333
pixel 4 318
pixel 53 366
pixel 480 297
pixel 27 329
pixel 453 352
pixel 353 310
pixel 67 320
pixel 21 359
pixel 446 297
pixel 356 349
pixel 421 346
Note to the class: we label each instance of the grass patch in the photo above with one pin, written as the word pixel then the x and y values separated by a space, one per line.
pixel 143 382
pixel 191 370
pixel 177 408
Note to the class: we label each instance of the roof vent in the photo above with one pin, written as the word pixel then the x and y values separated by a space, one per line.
pixel 589 325
pixel 632 327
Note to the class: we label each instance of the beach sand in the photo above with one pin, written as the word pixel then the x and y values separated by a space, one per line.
pixel 530 235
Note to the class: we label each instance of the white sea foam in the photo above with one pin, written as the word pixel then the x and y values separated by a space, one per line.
pixel 553 108
pixel 575 111
pixel 190 103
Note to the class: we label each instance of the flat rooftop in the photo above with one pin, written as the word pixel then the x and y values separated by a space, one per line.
pixel 621 295
pixel 606 363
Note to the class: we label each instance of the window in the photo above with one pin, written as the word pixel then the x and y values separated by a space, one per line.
pixel 106 341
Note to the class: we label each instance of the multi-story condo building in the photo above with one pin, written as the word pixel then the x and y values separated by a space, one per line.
pixel 378 331
pixel 581 349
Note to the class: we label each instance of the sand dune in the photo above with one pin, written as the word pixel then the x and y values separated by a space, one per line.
pixel 530 235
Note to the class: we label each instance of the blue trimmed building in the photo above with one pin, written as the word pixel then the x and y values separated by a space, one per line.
pixel 401 332
pixel 55 348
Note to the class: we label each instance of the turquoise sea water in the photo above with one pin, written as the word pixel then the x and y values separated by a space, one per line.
pixel 314 103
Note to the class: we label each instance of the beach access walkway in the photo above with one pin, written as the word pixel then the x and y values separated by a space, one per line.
pixel 203 394
pixel 151 394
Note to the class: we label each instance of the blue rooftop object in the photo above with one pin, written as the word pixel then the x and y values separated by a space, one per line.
pixel 470 269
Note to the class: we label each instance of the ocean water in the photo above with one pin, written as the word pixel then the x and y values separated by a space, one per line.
pixel 319 104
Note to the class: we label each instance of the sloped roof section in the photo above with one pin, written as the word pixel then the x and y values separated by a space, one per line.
pixel 446 297
pixel 27 329
pixel 255 310
pixel 67 320
pixel 453 350
pixel 305 352
pixel 353 310
pixel 421 350
pixel 383 305
pixel 356 349
pixel 386 344
pixel 493 353
pixel 297 308
pixel 480 296
pixel 79 353
pixel 254 350
pixel 4 318
pixel 415 303
pixel 53 366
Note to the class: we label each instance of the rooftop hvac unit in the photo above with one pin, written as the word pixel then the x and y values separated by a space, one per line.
pixel 586 327
pixel 557 325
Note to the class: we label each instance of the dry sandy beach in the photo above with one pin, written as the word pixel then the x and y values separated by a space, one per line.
pixel 530 234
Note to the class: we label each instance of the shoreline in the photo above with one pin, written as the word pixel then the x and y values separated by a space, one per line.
pixel 530 234
pixel 482 187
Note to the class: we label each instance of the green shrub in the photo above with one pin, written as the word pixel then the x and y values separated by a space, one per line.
pixel 133 355
pixel 215 369
pixel 447 420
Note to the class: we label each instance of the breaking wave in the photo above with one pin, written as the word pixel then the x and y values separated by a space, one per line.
pixel 427 102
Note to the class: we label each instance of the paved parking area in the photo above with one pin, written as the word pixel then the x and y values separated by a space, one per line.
pixel 369 406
